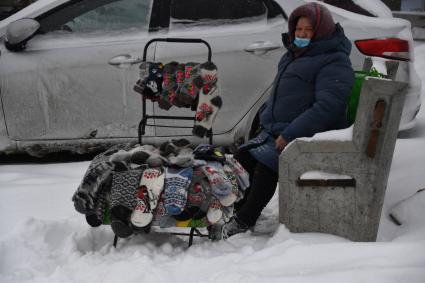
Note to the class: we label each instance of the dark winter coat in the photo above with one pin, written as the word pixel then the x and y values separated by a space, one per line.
pixel 310 95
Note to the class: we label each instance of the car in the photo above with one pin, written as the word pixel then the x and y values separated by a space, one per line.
pixel 58 92
pixel 9 7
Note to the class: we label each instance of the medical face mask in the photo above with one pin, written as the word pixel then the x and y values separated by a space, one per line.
pixel 301 42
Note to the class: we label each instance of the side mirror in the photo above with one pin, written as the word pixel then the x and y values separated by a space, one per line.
pixel 19 32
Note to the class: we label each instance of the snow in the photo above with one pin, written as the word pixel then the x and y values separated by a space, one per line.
pixel 43 239
pixel 376 7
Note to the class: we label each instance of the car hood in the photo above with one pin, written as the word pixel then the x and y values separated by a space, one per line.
pixel 31 12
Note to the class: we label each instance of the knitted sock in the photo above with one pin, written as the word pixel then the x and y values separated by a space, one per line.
pixel 208 106
pixel 141 86
pixel 242 175
pixel 236 194
pixel 221 187
pixel 124 190
pixel 176 185
pixel 173 146
pixel 169 85
pixel 209 152
pixel 208 71
pixel 98 173
pixel 154 80
pixel 151 186
pixel 96 216
pixel 184 158
pixel 180 73
pixel 198 194
pixel 215 212
pixel 146 154
pixel 191 85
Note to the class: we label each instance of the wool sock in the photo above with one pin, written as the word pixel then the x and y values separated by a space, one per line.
pixel 184 158
pixel 208 72
pixel 96 216
pixel 189 90
pixel 169 86
pixel 173 146
pixel 240 172
pixel 199 194
pixel 176 185
pixel 221 187
pixel 151 186
pixel 180 76
pixel 140 86
pixel 154 80
pixel 209 152
pixel 215 212
pixel 209 104
pixel 124 190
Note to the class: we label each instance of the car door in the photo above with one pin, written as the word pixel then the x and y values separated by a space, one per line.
pixel 245 38
pixel 61 86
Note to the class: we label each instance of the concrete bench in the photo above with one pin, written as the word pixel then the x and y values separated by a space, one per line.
pixel 348 206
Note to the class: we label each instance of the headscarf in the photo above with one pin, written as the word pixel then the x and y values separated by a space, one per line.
pixel 320 17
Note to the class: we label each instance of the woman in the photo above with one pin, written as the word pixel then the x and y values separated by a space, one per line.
pixel 310 94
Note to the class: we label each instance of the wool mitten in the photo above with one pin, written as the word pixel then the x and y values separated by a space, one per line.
pixel 191 86
pixel 221 187
pixel 176 185
pixel 209 104
pixel 240 172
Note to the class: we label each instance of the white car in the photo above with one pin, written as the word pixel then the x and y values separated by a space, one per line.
pixel 58 92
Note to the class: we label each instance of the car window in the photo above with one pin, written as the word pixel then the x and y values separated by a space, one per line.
pixel 215 12
pixel 97 15
pixel 348 5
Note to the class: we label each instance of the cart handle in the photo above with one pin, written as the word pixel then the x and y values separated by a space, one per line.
pixel 181 40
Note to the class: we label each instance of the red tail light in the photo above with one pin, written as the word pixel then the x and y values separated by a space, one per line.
pixel 391 48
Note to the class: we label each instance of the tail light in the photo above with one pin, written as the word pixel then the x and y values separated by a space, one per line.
pixel 391 48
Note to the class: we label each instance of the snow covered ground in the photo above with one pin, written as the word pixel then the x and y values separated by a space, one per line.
pixel 43 239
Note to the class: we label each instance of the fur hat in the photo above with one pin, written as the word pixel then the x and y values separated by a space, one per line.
pixel 319 16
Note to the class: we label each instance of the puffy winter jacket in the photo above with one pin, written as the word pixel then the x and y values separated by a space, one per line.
pixel 309 96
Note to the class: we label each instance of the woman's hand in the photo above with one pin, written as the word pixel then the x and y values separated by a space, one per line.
pixel 280 143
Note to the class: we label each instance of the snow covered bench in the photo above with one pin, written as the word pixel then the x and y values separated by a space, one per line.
pixel 335 182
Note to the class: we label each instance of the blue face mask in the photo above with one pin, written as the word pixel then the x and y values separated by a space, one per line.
pixel 301 42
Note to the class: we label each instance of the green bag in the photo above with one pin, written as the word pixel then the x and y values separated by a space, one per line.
pixel 353 99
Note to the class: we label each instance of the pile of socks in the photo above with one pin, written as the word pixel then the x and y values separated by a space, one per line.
pixel 134 187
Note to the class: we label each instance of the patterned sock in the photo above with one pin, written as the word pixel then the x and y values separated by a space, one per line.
pixel 176 185
pixel 169 86
pixel 198 194
pixel 191 85
pixel 180 72
pixel 236 194
pixel 124 190
pixel 240 172
pixel 208 72
pixel 221 187
pixel 154 80
pixel 96 216
pixel 141 86
pixel 209 104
